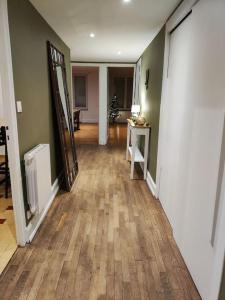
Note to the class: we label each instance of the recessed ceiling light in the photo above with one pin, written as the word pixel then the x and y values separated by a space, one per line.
pixel 119 52
pixel 126 1
pixel 92 35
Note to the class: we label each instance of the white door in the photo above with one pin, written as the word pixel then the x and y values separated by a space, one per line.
pixel 194 122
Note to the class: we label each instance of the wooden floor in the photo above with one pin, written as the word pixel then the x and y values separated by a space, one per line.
pixel 88 134
pixel 117 134
pixel 108 239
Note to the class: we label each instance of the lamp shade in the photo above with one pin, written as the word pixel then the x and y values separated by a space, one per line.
pixel 135 109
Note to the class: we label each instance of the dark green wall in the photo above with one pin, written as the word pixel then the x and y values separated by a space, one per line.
pixel 222 291
pixel 29 34
pixel 152 59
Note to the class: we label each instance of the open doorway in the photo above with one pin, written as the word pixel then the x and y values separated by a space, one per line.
pixel 8 243
pixel 13 231
pixel 85 81
pixel 120 94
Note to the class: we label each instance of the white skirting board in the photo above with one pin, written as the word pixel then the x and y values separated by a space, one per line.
pixel 89 121
pixel 32 227
pixel 151 184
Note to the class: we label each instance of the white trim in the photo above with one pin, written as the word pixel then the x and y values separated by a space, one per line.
pixel 91 121
pixel 11 119
pixel 77 64
pixel 151 184
pixel 103 105
pixel 30 232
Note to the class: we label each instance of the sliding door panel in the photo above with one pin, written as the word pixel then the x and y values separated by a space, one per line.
pixel 191 157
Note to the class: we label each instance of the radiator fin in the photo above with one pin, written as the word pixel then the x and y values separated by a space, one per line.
pixel 38 177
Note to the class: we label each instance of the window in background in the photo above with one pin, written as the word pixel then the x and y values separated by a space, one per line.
pixel 129 92
pixel 80 92
pixel 123 88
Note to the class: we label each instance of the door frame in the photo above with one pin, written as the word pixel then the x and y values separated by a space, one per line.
pixel 10 113
pixel 103 93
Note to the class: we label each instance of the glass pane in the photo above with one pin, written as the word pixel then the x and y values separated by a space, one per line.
pixel 68 146
pixel 62 94
pixel 129 92
pixel 80 91
pixel 119 90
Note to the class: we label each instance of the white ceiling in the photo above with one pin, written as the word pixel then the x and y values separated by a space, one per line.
pixel 118 26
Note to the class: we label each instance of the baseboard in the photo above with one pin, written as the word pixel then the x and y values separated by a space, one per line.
pixel 91 121
pixel 31 229
pixel 151 184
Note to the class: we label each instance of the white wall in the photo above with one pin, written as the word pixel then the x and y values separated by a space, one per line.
pixel 1 102
pixel 190 147
pixel 91 114
pixel 103 105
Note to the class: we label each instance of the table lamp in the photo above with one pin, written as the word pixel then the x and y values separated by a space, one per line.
pixel 135 110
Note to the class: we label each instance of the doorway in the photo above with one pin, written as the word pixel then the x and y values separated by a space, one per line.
pixel 85 82
pixel 8 244
pixel 120 94
pixel 8 104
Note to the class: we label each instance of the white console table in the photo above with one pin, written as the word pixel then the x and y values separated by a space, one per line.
pixel 133 131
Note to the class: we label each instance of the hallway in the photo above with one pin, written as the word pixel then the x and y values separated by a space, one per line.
pixel 108 239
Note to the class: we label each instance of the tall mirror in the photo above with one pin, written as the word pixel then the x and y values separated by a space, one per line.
pixel 64 116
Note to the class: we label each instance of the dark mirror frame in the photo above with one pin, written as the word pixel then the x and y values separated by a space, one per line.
pixel 56 59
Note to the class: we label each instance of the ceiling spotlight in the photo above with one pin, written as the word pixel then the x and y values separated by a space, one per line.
pixel 92 35
pixel 119 52
pixel 126 1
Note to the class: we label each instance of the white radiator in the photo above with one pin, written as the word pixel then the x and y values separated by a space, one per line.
pixel 38 177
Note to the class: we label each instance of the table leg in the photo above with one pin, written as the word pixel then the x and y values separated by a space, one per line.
pixel 133 143
pixel 146 155
pixel 78 122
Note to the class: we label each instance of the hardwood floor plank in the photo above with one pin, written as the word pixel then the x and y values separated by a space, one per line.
pixel 118 281
pixel 142 282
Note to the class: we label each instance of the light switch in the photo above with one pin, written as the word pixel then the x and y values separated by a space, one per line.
pixel 19 106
